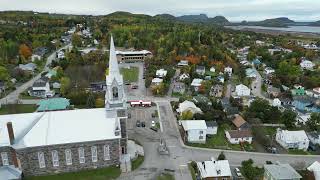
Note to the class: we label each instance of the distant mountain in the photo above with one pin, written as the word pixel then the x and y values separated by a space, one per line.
pixel 203 18
pixel 317 23
pixel 165 16
pixel 219 20
pixel 275 22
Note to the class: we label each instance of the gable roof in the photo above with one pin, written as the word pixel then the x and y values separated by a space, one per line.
pixel 53 104
pixel 240 133
pixel 194 125
pixel 238 121
pixel 213 168
pixel 315 168
pixel 293 136
pixel 282 171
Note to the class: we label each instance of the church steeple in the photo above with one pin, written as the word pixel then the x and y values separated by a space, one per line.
pixel 113 62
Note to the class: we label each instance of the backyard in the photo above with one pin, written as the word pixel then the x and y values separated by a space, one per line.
pixel 130 74
pixel 17 108
pixel 97 174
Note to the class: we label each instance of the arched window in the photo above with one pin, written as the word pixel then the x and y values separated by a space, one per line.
pixel 115 92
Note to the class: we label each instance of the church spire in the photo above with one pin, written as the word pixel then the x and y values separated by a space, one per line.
pixel 113 62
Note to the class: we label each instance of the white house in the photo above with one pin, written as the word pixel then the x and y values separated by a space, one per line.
pixel 315 168
pixel 316 92
pixel 195 130
pixel 156 81
pixel 212 69
pixel 196 83
pixel 212 127
pixel 314 137
pixel 306 64
pixel 237 136
pixel 183 63
pixel 242 90
pixel 161 73
pixel 41 88
pixel 228 70
pixel 201 70
pixel 35 57
pixel 292 139
pixel 276 102
pixel 60 55
pixel 214 169
pixel 188 106
pixel 278 171
pixel 184 76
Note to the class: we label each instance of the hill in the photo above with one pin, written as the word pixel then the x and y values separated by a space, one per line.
pixel 275 22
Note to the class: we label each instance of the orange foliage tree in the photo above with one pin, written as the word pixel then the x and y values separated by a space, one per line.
pixel 25 51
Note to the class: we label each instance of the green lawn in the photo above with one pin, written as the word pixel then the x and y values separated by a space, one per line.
pixel 298 152
pixel 17 108
pixel 96 174
pixel 130 74
pixel 192 171
pixel 219 141
pixel 165 176
pixel 137 162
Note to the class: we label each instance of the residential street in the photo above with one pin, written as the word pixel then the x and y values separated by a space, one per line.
pixel 13 97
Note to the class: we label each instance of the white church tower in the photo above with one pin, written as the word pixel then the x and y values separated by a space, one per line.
pixel 115 98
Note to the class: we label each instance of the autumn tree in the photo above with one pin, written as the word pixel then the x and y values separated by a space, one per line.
pixel 65 85
pixel 25 51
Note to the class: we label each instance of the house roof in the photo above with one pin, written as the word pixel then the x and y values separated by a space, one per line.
pixel 315 168
pixel 194 125
pixel 238 121
pixel 196 82
pixel 58 127
pixel 213 168
pixel 188 105
pixel 10 172
pixel 293 136
pixel 240 133
pixel 40 82
pixel 282 171
pixel 211 123
pixel 53 104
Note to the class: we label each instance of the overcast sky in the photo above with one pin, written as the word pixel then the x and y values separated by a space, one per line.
pixel 234 10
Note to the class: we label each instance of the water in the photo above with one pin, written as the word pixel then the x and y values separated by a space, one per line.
pixel 304 29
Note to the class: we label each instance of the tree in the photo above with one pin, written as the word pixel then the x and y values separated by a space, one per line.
pixel 313 122
pixel 99 103
pixel 221 156
pixel 65 85
pixel 186 115
pixel 90 101
pixel 249 171
pixel 4 75
pixel 76 40
pixel 25 51
pixel 288 118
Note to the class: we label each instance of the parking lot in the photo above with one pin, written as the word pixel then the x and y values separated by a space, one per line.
pixel 142 115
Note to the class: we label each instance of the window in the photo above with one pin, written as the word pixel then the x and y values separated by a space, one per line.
pixel 42 163
pixel 115 92
pixel 247 139
pixel 94 154
pixel 5 160
pixel 200 137
pixel 55 158
pixel 106 152
pixel 68 157
pixel 201 132
pixel 81 155
pixel 236 139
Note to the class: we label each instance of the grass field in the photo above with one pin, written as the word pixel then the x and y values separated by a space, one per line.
pixel 137 162
pixel 97 174
pixel 298 152
pixel 130 74
pixel 165 176
pixel 17 108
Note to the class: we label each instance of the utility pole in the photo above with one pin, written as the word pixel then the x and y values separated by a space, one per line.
pixel 199 37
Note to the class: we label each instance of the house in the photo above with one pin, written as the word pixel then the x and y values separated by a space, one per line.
pixel 184 76
pixel 196 83
pixel 250 73
pixel 212 69
pixel 35 57
pixel 292 139
pixel 43 143
pixel 273 91
pixel 256 62
pixel 41 88
pixel 133 56
pixel 276 102
pixel 195 131
pixel 306 64
pixel 60 54
pixel 298 91
pixel 239 136
pixel 183 63
pixel 51 73
pixel 242 90
pixel 161 73
pixel 306 104
pixel 228 71
pixel 220 79
pixel 314 137
pixel 188 106
pixel 260 43
pixel 315 169
pixel 316 92
pixel 214 169
pixel 268 71
pixel 240 123
pixel 31 67
pixel 56 85
pixel 53 104
pixel 212 127
pixel 40 51
pixel 156 81
pixel 216 91
pixel 99 86
pixel 280 172
pixel 179 87
pixel 228 108
pixel 201 70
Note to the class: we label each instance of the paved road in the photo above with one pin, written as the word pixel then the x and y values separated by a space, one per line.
pixel 13 97
pixel 256 87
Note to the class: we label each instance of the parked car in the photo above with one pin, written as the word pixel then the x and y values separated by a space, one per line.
pixel 237 171
pixel 153 123
pixel 143 124
pixel 134 87
pixel 138 124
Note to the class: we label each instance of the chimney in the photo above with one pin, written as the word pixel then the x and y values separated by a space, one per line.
pixel 10 132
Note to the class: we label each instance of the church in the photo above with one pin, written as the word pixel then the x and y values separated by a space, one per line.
pixel 43 143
